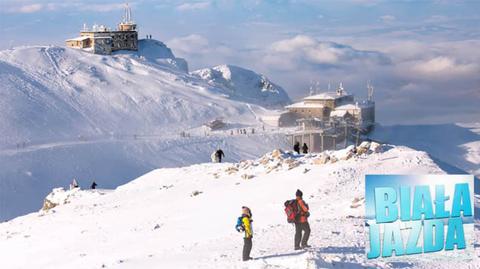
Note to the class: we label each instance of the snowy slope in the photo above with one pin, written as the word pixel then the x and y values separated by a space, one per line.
pixel 241 84
pixel 66 114
pixel 28 175
pixel 184 217
pixel 456 145
pixel 55 93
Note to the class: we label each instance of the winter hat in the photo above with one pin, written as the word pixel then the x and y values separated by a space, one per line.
pixel 299 193
pixel 248 210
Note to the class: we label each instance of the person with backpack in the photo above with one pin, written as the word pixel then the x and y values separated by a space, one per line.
pixel 305 148
pixel 244 224
pixel 213 156
pixel 296 147
pixel 74 184
pixel 298 212
pixel 219 154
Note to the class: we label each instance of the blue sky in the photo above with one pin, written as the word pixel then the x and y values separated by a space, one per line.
pixel 421 56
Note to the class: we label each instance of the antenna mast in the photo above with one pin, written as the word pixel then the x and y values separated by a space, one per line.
pixel 127 17
pixel 370 91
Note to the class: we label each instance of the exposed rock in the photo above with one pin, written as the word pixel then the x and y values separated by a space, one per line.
pixel 247 176
pixel 277 154
pixel 322 159
pixel 347 156
pixel 195 193
pixel 58 196
pixel 291 163
pixel 364 144
pixel 231 170
pixel 47 205
pixel 375 147
pixel 361 150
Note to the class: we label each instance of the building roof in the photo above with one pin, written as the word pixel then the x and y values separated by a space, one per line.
pixel 338 113
pixel 304 105
pixel 80 38
pixel 325 96
pixel 356 105
pixel 346 107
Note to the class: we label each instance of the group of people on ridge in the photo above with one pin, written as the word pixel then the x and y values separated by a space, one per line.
pixel 75 185
pixel 297 211
pixel 296 148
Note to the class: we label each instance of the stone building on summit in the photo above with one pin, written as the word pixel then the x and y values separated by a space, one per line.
pixel 102 40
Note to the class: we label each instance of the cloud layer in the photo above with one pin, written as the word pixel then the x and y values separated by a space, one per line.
pixel 422 57
pixel 303 51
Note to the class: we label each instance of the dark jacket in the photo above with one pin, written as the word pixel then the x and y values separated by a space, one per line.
pixel 220 154
pixel 296 147
pixel 305 148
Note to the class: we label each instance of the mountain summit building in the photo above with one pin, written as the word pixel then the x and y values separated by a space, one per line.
pixel 326 120
pixel 338 105
pixel 102 40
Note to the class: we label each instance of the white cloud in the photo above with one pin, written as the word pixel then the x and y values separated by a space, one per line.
pixel 28 8
pixel 388 18
pixel 302 51
pixel 189 45
pixel 441 68
pixel 103 7
pixel 34 6
pixel 193 6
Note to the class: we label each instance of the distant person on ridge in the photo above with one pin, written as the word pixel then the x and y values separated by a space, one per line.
pixel 219 155
pixel 74 184
pixel 296 147
pixel 244 224
pixel 305 148
pixel 94 185
pixel 301 223
pixel 213 156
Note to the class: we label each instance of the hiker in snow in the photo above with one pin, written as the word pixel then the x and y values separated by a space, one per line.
pixel 94 185
pixel 301 222
pixel 244 224
pixel 74 184
pixel 305 148
pixel 213 156
pixel 219 154
pixel 296 147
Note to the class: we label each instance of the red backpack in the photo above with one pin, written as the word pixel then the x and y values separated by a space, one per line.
pixel 291 209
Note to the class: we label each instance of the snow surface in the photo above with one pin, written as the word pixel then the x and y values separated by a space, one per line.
pixel 454 146
pixel 66 114
pixel 28 175
pixel 184 217
pixel 241 84
pixel 54 94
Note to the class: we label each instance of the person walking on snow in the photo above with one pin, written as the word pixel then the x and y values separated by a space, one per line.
pixel 244 224
pixel 301 223
pixel 74 184
pixel 219 154
pixel 305 148
pixel 94 185
pixel 213 156
pixel 296 147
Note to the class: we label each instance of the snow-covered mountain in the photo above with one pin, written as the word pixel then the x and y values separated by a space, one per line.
pixel 56 93
pixel 455 146
pixel 66 114
pixel 241 84
pixel 184 217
